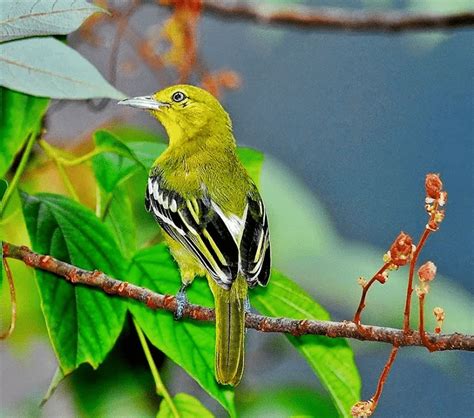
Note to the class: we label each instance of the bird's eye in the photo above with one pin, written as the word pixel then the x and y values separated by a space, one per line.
pixel 179 96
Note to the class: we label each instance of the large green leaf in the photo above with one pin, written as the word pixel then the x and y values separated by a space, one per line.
pixel 3 188
pixel 47 67
pixel 20 115
pixel 132 133
pixel 331 359
pixel 285 401
pixel 186 405
pixel 83 323
pixel 147 152
pixel 119 218
pixel 1 260
pixel 19 19
pixel 190 344
pixel 115 165
pixel 252 161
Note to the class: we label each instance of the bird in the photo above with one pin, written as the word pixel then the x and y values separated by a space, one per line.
pixel 213 216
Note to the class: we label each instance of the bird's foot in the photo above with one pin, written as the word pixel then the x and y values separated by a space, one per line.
pixel 247 306
pixel 181 302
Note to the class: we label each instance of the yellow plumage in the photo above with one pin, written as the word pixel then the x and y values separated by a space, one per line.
pixel 211 211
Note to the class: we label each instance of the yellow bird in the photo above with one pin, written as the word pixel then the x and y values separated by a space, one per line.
pixel 214 218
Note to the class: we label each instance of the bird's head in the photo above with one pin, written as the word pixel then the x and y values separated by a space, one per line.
pixel 185 111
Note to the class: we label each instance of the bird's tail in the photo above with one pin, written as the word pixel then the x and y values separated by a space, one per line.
pixel 230 331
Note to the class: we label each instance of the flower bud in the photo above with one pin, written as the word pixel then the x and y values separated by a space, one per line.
pixel 401 249
pixel 361 282
pixel 427 272
pixel 362 409
pixel 439 316
pixel 443 198
pixel 433 186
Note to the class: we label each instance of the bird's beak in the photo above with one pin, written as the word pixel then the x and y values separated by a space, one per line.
pixel 143 102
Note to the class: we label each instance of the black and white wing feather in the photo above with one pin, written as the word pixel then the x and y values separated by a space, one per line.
pixel 225 245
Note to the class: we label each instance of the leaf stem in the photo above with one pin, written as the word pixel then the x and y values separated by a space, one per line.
pixel 160 387
pixel 11 284
pixel 79 160
pixel 67 182
pixel 108 202
pixel 52 152
pixel 19 171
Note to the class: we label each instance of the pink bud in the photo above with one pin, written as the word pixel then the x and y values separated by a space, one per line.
pixel 427 272
pixel 433 185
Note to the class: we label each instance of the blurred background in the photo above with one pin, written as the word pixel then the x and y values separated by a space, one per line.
pixel 350 123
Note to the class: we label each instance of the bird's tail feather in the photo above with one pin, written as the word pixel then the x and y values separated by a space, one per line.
pixel 230 331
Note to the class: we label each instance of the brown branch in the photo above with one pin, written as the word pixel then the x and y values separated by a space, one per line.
pixel 153 300
pixel 336 19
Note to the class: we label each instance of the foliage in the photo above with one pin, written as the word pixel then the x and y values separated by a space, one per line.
pixel 20 116
pixel 44 66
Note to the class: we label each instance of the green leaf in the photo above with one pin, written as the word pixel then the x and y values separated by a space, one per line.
pixel 3 188
pixel 252 161
pixel 19 19
pixel 188 407
pixel 190 344
pixel 113 167
pixel 53 385
pixel 1 266
pixel 331 359
pixel 147 152
pixel 83 323
pixel 47 67
pixel 119 219
pixel 122 158
pixel 20 115
pixel 285 401
pixel 131 133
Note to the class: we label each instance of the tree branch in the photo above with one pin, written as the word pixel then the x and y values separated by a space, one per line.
pixel 295 327
pixel 336 19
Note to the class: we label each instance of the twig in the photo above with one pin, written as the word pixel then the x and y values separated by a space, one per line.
pixel 367 408
pixel 421 243
pixel 19 172
pixel 159 385
pixel 336 19
pixel 345 329
pixel 11 284
pixel 365 289
pixel 426 342
pixel 52 153
pixel 383 376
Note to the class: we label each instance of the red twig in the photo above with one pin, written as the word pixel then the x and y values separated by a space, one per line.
pixel 11 285
pixel 426 342
pixel 383 376
pixel 367 408
pixel 365 289
pixel 420 245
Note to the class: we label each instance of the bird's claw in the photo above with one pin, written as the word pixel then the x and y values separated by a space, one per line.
pixel 181 303
pixel 247 306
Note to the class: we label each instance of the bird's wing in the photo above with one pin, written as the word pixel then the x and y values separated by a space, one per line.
pixel 255 242
pixel 199 226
